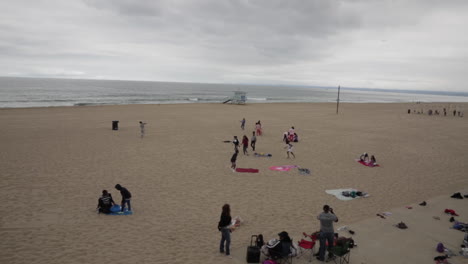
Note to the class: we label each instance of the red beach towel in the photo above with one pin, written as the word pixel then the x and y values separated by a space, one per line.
pixel 247 170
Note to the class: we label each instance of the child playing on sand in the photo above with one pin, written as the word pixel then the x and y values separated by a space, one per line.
pixel 258 127
pixel 233 160
pixel 253 141
pixel 235 141
pixel 245 144
pixel 289 146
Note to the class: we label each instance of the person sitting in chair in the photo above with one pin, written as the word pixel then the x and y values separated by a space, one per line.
pixel 282 247
pixel 105 202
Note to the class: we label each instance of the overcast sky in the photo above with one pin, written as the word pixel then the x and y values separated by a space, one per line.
pixel 394 44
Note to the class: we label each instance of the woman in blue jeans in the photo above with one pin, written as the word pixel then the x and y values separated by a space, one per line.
pixel 223 226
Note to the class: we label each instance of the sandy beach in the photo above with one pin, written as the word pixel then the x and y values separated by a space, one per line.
pixel 56 161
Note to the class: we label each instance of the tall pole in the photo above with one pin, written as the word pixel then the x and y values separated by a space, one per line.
pixel 338 100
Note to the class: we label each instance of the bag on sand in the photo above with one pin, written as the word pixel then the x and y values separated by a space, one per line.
pixel 253 252
pixel 440 248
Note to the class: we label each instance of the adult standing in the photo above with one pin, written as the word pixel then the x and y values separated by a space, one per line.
pixel 142 129
pixel 126 196
pixel 326 218
pixel 253 141
pixel 223 226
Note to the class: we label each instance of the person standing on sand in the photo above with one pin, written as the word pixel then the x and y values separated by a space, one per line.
pixel 245 144
pixel 327 233
pixel 223 226
pixel 253 141
pixel 258 128
pixel 289 146
pixel 233 160
pixel 142 129
pixel 126 195
pixel 235 141
pixel 242 123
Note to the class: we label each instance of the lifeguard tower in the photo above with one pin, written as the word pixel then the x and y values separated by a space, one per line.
pixel 239 97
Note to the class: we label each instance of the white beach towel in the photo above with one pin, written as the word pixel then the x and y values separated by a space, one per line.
pixel 338 193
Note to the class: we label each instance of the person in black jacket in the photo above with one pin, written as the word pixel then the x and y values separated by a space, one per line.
pixel 282 248
pixel 223 226
pixel 126 195
pixel 105 202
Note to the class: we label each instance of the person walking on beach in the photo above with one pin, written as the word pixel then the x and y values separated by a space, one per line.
pixel 223 226
pixel 253 141
pixel 242 123
pixel 290 147
pixel 245 145
pixel 233 160
pixel 235 141
pixel 105 202
pixel 126 196
pixel 327 233
pixel 142 129
pixel 258 128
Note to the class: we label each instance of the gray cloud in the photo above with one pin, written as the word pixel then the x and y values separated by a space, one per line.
pixel 362 43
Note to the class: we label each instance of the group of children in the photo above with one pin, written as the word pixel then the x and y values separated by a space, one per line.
pixel 105 202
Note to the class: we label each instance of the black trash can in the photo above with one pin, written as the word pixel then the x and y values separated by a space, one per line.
pixel 115 125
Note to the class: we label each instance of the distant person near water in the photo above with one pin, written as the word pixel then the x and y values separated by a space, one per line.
pixel 242 123
pixel 253 141
pixel 105 202
pixel 224 226
pixel 142 129
pixel 126 196
pixel 327 233
pixel 245 144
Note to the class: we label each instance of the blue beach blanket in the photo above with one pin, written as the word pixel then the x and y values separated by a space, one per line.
pixel 115 210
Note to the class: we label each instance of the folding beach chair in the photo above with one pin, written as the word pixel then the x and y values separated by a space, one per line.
pixel 307 245
pixel 341 253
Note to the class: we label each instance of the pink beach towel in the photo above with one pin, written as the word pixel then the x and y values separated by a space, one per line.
pixel 283 168
pixel 367 164
pixel 247 170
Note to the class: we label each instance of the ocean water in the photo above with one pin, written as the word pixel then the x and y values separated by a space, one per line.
pixel 42 92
